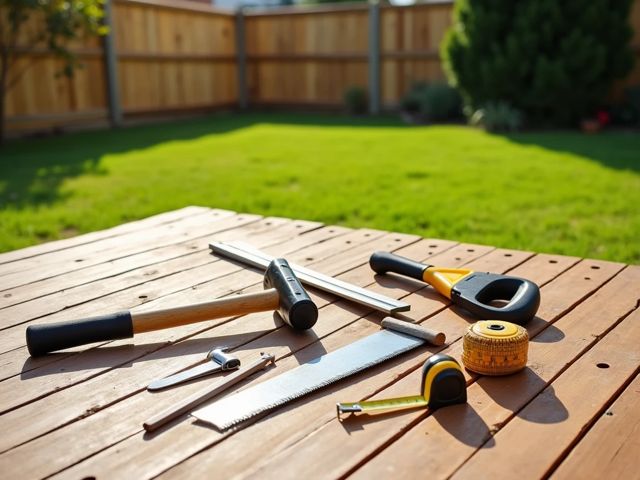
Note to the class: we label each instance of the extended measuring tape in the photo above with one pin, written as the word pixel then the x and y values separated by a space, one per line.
pixel 478 292
pixel 443 384
pixel 492 347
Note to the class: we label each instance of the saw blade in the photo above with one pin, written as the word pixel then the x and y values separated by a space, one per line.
pixel 306 378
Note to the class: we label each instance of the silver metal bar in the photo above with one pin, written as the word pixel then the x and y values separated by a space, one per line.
pixel 218 361
pixel 246 254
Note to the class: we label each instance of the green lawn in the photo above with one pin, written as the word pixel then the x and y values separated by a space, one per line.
pixel 560 192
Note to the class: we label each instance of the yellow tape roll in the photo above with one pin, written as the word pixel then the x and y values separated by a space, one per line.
pixel 494 347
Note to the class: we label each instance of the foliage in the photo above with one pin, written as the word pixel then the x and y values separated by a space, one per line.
pixel 50 23
pixel 553 60
pixel 356 100
pixel 515 191
pixel 440 102
pixel 433 102
pixel 497 117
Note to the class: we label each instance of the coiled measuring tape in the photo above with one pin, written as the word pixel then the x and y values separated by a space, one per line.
pixel 493 347
pixel 443 384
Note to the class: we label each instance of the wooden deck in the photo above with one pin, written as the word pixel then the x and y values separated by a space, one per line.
pixel 574 412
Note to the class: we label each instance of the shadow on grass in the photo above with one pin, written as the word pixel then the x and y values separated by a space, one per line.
pixel 618 149
pixel 32 170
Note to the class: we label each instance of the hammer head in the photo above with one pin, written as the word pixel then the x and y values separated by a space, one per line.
pixel 296 308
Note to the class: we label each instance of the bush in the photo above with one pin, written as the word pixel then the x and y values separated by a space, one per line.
pixel 356 101
pixel 553 60
pixel 440 102
pixel 497 117
pixel 433 102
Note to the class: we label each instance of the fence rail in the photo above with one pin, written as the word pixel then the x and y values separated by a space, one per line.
pixel 169 56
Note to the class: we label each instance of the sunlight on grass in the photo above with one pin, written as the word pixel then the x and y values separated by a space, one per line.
pixel 551 192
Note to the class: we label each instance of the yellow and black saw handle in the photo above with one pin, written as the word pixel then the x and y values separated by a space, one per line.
pixel 480 293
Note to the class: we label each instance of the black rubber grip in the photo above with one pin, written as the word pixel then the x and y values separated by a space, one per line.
pixel 383 262
pixel 296 307
pixel 42 339
pixel 478 291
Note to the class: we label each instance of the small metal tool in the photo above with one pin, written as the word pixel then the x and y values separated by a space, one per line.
pixel 218 362
pixel 207 393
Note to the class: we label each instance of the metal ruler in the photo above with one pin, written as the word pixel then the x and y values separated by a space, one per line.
pixel 252 256
pixel 306 378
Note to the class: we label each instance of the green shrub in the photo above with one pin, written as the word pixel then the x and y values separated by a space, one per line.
pixel 440 102
pixel 433 102
pixel 553 60
pixel 356 101
pixel 497 117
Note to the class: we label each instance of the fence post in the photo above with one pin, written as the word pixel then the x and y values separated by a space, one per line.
pixel 241 60
pixel 111 67
pixel 374 57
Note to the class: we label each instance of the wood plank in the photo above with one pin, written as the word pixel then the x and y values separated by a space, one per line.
pixel 193 262
pixel 137 373
pixel 173 289
pixel 610 448
pixel 352 442
pixel 455 433
pixel 32 269
pixel 161 443
pixel 66 243
pixel 564 409
pixel 84 365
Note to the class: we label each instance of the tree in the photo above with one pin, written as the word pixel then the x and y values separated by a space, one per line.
pixel 553 60
pixel 50 23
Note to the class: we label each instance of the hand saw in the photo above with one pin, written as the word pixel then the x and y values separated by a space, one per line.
pixel 308 377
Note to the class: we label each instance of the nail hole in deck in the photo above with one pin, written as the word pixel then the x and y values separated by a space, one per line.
pixel 595 267
pixel 602 365
pixel 553 261
pixel 587 278
pixel 89 478
pixel 367 234
pixel 78 260
pixel 308 259
pixel 267 223
pixel 470 250
pixel 298 226
pixel 433 246
pixel 398 239
pixel 7 295
pixel 330 231
pixel 457 258
pixel 142 297
pixel 348 241
pixel 507 255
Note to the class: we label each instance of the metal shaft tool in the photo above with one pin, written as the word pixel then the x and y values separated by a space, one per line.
pixel 252 256
pixel 202 396
pixel 219 361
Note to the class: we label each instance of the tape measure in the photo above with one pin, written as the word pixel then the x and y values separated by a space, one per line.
pixel 494 347
pixel 443 384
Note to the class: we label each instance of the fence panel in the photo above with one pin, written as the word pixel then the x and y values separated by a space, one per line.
pixel 306 57
pixel 174 57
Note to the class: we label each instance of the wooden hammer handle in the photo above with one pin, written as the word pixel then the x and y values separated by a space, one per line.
pixel 234 305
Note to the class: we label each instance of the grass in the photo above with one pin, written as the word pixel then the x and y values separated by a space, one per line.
pixel 560 192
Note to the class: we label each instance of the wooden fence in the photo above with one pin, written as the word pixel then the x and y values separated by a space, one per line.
pixel 167 56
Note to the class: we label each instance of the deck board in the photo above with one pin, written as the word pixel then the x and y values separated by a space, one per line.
pixel 96 394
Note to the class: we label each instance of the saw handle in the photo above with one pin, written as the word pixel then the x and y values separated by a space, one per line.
pixel 489 296
pixel 479 293
pixel 383 262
